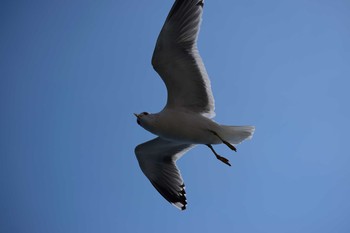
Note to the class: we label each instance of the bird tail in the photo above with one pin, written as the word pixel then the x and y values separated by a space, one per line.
pixel 236 134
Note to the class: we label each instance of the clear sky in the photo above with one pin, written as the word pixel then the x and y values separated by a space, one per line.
pixel 73 72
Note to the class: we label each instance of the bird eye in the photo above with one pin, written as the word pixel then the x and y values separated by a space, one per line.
pixel 145 113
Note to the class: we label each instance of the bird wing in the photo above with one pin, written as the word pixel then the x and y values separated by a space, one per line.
pixel 176 59
pixel 157 160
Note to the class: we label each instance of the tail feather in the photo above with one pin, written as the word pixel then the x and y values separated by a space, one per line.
pixel 237 134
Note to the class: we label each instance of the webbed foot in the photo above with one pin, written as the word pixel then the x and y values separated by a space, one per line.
pixel 222 159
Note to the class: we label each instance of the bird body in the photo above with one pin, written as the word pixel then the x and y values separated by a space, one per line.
pixel 192 128
pixel 182 127
pixel 186 120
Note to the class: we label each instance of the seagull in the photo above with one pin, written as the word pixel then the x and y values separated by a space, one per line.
pixel 186 119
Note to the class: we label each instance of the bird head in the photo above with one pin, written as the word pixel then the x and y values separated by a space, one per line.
pixel 140 117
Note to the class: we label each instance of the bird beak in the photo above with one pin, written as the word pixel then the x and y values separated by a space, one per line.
pixel 137 115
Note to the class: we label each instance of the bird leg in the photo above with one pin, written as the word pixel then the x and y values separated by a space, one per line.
pixel 223 141
pixel 222 159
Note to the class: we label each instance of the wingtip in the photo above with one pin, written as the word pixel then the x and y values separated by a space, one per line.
pixel 200 3
pixel 180 205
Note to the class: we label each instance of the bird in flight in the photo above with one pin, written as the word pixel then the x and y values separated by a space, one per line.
pixel 186 119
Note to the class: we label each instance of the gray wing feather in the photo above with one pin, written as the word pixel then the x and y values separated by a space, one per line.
pixel 157 160
pixel 177 60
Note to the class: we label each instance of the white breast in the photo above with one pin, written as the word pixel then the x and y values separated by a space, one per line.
pixel 186 127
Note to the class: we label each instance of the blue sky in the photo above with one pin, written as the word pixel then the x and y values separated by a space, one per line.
pixel 73 72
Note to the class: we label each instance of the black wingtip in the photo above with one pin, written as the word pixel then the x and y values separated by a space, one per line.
pixel 181 199
pixel 200 3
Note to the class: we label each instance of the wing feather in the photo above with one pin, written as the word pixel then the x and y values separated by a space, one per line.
pixel 157 160
pixel 176 59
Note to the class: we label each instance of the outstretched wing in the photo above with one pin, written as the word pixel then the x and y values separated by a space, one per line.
pixel 177 61
pixel 157 161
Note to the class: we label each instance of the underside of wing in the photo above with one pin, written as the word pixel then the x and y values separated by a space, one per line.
pixel 157 160
pixel 177 60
